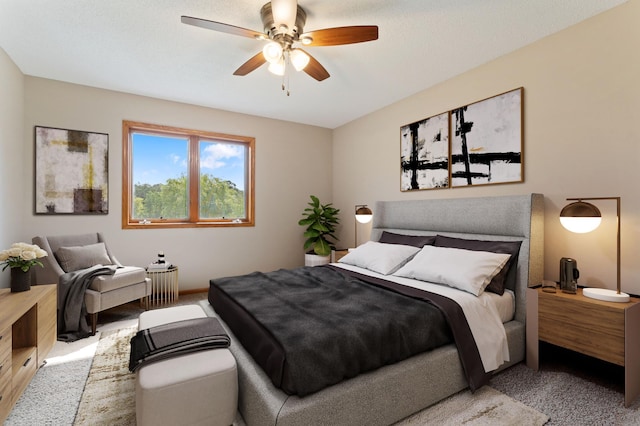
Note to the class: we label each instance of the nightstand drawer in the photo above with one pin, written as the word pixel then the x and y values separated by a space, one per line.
pixel 580 339
pixel 586 326
pixel 589 328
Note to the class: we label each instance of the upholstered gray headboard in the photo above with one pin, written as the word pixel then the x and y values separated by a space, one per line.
pixel 506 218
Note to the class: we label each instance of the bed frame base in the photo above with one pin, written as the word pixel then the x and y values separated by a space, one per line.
pixel 396 391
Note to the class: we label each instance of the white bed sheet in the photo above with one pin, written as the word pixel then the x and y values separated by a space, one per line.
pixel 484 313
pixel 505 304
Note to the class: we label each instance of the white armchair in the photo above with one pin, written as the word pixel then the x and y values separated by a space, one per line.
pixel 73 252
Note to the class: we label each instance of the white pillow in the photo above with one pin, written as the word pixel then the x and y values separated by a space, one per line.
pixel 466 270
pixel 380 257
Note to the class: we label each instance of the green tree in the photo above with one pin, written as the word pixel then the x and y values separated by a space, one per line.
pixel 218 199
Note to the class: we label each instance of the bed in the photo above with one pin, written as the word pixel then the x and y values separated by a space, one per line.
pixel 392 392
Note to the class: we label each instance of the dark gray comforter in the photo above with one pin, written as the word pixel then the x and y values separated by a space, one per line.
pixel 310 328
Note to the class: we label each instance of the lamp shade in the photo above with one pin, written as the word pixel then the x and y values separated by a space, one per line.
pixel 284 12
pixel 278 67
pixel 299 59
pixel 580 217
pixel 272 52
pixel 363 214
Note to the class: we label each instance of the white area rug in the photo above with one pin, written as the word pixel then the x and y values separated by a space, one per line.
pixel 486 406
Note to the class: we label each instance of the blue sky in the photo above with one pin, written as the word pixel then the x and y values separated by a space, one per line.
pixel 158 158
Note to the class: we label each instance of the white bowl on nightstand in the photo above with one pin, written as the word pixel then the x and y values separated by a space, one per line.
pixel 605 294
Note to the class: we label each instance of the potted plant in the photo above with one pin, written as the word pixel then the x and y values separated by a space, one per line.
pixel 320 221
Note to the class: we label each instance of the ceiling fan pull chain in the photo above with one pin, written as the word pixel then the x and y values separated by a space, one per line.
pixel 288 82
pixel 285 74
pixel 284 87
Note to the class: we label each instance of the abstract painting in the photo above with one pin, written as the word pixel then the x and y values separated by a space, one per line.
pixel 72 171
pixel 424 154
pixel 486 145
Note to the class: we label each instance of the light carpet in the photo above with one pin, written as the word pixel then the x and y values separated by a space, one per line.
pixel 109 394
pixel 52 396
pixel 571 391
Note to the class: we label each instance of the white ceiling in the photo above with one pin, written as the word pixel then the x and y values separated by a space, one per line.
pixel 141 47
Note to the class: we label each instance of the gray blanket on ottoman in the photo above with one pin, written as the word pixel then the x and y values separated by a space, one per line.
pixel 175 339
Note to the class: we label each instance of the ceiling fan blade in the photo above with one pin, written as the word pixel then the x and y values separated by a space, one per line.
pixel 342 35
pixel 315 69
pixel 224 28
pixel 253 63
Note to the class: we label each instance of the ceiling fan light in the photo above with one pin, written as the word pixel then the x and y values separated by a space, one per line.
pixel 277 68
pixel 272 52
pixel 299 59
pixel 284 12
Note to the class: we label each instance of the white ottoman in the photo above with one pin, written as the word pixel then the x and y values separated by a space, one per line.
pixel 194 389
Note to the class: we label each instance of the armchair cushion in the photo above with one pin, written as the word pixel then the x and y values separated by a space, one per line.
pixel 82 257
pixel 125 276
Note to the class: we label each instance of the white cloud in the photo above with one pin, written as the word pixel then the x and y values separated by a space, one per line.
pixel 177 159
pixel 216 154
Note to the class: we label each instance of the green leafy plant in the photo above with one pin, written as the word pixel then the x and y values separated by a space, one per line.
pixel 320 221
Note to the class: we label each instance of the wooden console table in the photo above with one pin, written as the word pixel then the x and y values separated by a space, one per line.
pixel 28 331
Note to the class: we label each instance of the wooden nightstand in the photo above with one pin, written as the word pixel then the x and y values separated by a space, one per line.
pixel 338 254
pixel 605 330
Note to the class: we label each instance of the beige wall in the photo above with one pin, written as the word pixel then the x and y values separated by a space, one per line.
pixel 581 118
pixel 289 159
pixel 13 193
pixel 581 102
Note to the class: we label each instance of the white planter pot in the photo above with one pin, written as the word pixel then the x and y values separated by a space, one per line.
pixel 315 260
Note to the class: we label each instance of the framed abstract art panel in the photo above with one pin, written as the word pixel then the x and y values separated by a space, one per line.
pixel 487 141
pixel 424 154
pixel 71 171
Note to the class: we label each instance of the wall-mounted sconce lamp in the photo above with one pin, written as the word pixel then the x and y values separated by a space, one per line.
pixel 363 215
pixel 582 217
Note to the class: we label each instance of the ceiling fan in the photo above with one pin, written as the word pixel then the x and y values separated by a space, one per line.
pixel 283 22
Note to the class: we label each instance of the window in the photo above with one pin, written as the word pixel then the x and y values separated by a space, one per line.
pixel 185 178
